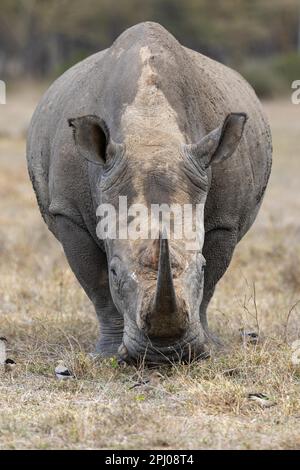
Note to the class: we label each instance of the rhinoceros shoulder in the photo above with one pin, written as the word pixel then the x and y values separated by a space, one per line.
pixel 63 99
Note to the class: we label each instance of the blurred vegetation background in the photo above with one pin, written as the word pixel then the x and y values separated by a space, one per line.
pixel 39 39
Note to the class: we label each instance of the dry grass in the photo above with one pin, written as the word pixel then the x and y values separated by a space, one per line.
pixel 46 317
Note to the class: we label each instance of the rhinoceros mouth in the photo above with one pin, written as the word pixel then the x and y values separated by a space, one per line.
pixel 141 349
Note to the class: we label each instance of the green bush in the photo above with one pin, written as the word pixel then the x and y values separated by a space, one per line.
pixel 288 67
pixel 273 76
pixel 262 78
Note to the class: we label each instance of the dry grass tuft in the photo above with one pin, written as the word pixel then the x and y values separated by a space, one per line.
pixel 46 317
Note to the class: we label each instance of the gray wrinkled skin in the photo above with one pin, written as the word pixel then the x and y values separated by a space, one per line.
pixel 150 120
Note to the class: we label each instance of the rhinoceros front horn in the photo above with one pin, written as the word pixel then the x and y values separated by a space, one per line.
pixel 165 296
pixel 166 318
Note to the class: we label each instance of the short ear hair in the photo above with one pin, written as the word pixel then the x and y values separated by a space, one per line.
pixel 91 136
pixel 220 143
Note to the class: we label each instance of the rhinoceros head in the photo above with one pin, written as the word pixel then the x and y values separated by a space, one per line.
pixel 156 279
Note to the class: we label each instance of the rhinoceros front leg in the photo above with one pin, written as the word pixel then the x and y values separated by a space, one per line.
pixel 88 262
pixel 218 248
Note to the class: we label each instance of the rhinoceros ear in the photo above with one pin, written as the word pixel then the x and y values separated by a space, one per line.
pixel 92 138
pixel 220 143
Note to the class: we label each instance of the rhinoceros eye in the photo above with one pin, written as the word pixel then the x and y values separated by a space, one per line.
pixel 201 263
pixel 113 272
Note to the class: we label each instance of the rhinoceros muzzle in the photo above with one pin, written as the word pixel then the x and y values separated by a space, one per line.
pixel 163 329
pixel 138 348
